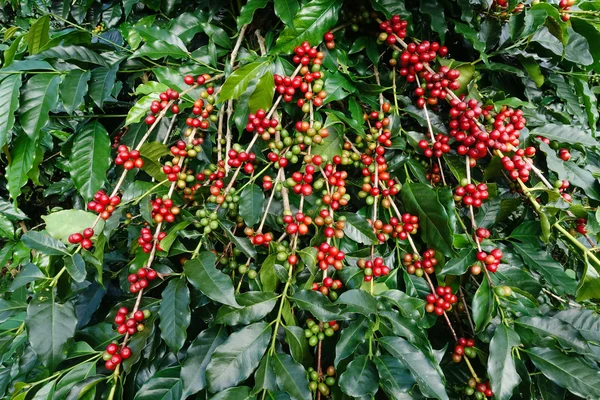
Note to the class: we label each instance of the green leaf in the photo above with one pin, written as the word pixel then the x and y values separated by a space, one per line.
pixel 38 97
pixel 39 34
pixel 255 306
pixel 589 100
pixel 438 20
pixel 533 69
pixel 299 349
pixel 267 274
pixel 248 10
pixel 9 91
pixel 74 53
pixel 43 243
pixel 577 49
pixel 406 328
pixel 73 89
pixel 394 378
pixel 568 170
pixel 234 393
pixel 203 274
pixel 587 322
pixel 434 220
pixel 235 359
pixel 159 49
pixel 237 83
pixel 351 337
pixel 22 162
pixel 501 366
pixel 74 376
pixel 63 223
pixel 470 34
pixel 317 304
pixel 571 372
pixel 46 392
pixel 331 145
pixel 357 228
pixel 564 134
pixel 286 10
pixel 10 308
pixel 358 301
pixel 50 327
pixel 483 303
pixel 165 384
pixel 241 243
pixel 101 84
pixel 540 261
pixel 291 377
pixel 264 377
pixel 90 159
pixel 360 378
pixel 29 273
pixel 430 380
pixel 140 109
pixel 175 314
pixel 460 264
pixel 7 229
pixel 565 334
pixel 252 201
pixel 548 41
pixel 262 97
pixel 75 267
pixel 565 91
pixel 193 368
pixel 310 24
pixel 410 307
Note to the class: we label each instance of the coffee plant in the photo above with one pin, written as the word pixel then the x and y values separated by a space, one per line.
pixel 299 199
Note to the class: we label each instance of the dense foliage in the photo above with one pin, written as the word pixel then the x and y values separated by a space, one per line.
pixel 299 199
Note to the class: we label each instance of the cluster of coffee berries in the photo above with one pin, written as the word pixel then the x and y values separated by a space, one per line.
pixel 103 204
pixel 440 301
pixel 471 194
pixel 145 240
pixel 503 291
pixel 297 224
pixel 321 383
pixel 207 220
pixel 128 159
pixel 518 166
pixel 117 138
pixel 480 390
pixel 98 29
pixel 332 228
pixel 419 265
pixel 491 260
pixel 315 332
pixel 436 85
pixel 200 80
pixel 157 106
pixel 415 58
pixel 329 256
pixel 439 147
pixel 329 40
pixel 307 134
pixel 164 210
pixel 395 26
pixel 82 238
pixel 130 323
pixel 433 175
pixel 405 225
pixel 507 125
pixel 257 238
pixel 113 355
pixel 565 5
pixel 463 347
pixel 268 182
pixel 259 123
pixel 580 227
pixel 236 160
pixel 373 268
pixel 564 154
pixel 301 183
pixel 337 181
pixel 328 287
pixel 481 234
pixel 141 279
